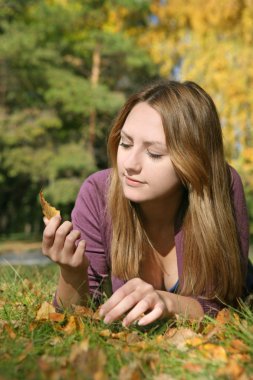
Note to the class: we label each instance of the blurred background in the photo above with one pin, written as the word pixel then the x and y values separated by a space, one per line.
pixel 66 66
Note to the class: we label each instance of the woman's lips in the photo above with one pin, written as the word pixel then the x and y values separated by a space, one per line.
pixel 132 182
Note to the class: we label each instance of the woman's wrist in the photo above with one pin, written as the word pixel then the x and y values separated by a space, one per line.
pixel 177 304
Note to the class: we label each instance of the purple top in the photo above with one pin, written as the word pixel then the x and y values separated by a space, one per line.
pixel 90 218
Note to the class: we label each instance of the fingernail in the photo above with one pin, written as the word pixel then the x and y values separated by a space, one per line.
pixel 124 323
pixel 140 322
pixel 107 319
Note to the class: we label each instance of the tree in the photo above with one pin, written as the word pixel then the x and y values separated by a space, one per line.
pixel 65 67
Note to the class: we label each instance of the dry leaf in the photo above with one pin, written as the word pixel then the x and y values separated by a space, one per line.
pixel 233 370
pixel 192 367
pixel 224 317
pixel 78 349
pixel 180 337
pixel 130 372
pixel 43 314
pixel 195 341
pixel 9 330
pixel 105 333
pixel 237 345
pixel 214 352
pixel 74 324
pixel 89 362
pixel 86 312
pixel 48 210
pixel 56 317
pixel 55 341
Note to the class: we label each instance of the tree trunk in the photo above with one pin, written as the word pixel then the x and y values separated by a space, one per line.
pixel 94 79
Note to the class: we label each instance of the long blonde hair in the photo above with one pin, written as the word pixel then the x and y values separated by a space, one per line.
pixel 211 251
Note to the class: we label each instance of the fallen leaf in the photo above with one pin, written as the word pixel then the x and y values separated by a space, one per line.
pixel 27 284
pixel 121 335
pixel 105 333
pixel 130 372
pixel 56 317
pixel 195 341
pixel 44 311
pixel 237 345
pixel 73 325
pixel 224 317
pixel 48 363
pixel 86 312
pixel 90 362
pixel 78 349
pixel 9 331
pixel 241 358
pixel 133 338
pixel 179 337
pixel 192 367
pixel 48 210
pixel 233 370
pixel 55 341
pixel 214 352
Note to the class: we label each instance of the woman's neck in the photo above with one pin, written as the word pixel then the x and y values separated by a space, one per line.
pixel 161 213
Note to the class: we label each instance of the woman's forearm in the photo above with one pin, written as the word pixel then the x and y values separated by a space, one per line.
pixel 72 289
pixel 177 304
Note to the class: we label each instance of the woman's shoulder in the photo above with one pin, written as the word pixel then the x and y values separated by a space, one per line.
pixel 235 176
pixel 97 181
pixel 236 181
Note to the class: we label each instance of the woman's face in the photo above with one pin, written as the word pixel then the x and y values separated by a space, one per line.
pixel 144 165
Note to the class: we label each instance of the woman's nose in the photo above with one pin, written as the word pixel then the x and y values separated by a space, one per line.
pixel 132 162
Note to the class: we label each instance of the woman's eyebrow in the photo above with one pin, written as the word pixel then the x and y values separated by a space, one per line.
pixel 146 143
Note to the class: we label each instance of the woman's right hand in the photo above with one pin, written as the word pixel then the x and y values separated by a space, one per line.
pixel 59 245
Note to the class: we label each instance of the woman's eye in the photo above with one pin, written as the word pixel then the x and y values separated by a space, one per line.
pixel 154 156
pixel 124 145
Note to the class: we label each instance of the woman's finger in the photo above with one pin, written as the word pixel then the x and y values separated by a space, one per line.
pixel 79 255
pixel 118 296
pixel 60 235
pixel 70 242
pixel 141 307
pixel 155 314
pixel 46 221
pixel 123 306
pixel 49 232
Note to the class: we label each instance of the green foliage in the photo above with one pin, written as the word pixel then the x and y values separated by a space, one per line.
pixel 65 67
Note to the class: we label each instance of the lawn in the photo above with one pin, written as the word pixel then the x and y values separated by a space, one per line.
pixel 38 343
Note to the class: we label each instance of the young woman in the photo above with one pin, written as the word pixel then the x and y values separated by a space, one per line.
pixel 166 225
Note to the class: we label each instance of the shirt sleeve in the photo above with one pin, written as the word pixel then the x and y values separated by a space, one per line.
pixel 241 216
pixel 89 217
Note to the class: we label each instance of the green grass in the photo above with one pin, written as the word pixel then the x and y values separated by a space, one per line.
pixel 43 350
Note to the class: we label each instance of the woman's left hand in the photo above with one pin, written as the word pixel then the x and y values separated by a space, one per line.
pixel 140 297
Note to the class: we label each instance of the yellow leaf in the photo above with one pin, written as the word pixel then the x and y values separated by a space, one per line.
pixel 74 324
pixel 180 337
pixel 214 352
pixel 232 370
pixel 195 341
pixel 43 314
pixel 48 210
pixel 105 333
